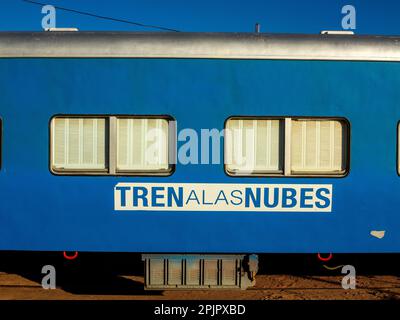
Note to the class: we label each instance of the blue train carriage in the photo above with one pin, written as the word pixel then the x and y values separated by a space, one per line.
pixel 199 150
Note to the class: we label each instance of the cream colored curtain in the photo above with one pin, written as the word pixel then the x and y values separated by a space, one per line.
pixel 79 143
pixel 253 146
pixel 142 144
pixel 317 146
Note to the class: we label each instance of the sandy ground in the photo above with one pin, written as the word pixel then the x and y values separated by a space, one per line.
pixel 121 277
pixel 268 287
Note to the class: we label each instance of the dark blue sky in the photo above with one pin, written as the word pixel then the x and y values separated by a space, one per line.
pixel 283 16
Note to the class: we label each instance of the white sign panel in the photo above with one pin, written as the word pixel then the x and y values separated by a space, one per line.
pixel 223 197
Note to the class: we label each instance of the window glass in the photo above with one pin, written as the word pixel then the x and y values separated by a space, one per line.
pixel 254 146
pixel 79 144
pixel 142 144
pixel 318 146
pixel 286 146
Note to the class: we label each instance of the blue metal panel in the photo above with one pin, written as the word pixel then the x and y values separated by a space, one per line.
pixel 40 211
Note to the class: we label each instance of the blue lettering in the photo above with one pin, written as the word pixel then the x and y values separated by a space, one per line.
pixel 155 196
pixel 236 197
pixel 123 194
pixel 142 195
pixel 304 197
pixel 219 198
pixel 288 194
pixel 266 198
pixel 190 197
pixel 250 195
pixel 204 198
pixel 177 198
pixel 326 202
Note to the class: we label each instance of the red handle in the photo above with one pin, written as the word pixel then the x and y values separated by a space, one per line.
pixel 73 257
pixel 329 257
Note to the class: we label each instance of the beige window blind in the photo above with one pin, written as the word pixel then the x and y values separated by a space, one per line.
pixel 253 146
pixel 318 146
pixel 79 144
pixel 142 144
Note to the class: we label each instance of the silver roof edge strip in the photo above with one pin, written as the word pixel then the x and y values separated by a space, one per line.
pixel 198 45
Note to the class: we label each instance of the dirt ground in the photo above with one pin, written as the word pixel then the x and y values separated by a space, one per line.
pixel 295 277
pixel 269 287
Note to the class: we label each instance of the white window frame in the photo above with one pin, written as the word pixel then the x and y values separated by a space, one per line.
pixel 111 148
pixel 287 128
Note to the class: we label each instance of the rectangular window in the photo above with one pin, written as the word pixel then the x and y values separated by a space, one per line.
pixel 254 146
pixel 110 145
pixel 286 146
pixel 79 144
pixel 317 146
pixel 142 145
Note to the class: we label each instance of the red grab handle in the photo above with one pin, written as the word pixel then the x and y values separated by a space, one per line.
pixel 73 257
pixel 329 257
